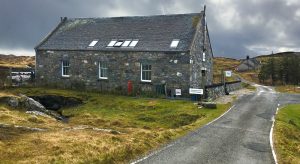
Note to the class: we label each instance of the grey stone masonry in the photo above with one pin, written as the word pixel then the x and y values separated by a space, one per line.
pixel 171 69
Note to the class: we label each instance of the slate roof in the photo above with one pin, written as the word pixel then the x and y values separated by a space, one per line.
pixel 155 33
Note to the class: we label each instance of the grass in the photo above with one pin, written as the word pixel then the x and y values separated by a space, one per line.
pixel 288 89
pixel 248 86
pixel 287 134
pixel 145 124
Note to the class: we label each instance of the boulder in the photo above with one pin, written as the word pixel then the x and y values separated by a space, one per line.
pixel 13 102
pixel 209 105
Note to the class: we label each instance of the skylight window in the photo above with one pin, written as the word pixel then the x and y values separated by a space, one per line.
pixel 112 43
pixel 174 43
pixel 119 43
pixel 134 43
pixel 123 43
pixel 126 43
pixel 93 43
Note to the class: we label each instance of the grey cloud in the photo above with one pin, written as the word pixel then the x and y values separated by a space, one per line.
pixel 256 27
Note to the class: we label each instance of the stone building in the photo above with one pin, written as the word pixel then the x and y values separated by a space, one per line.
pixel 157 54
pixel 248 64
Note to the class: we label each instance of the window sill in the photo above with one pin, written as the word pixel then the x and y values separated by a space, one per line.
pixel 65 76
pixel 146 81
pixel 103 78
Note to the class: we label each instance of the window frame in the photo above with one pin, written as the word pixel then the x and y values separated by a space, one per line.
pixel 100 67
pixel 204 56
pixel 149 70
pixel 63 67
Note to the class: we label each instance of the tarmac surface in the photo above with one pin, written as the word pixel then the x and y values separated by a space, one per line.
pixel 242 135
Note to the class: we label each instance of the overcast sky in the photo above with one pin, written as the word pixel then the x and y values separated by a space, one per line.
pixel 237 27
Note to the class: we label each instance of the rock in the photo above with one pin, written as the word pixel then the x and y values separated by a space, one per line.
pixel 209 105
pixel 13 102
pixel 31 104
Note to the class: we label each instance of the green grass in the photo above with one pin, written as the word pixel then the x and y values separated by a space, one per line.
pixel 248 86
pixel 145 124
pixel 287 134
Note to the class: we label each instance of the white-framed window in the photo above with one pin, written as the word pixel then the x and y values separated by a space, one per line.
pixel 65 68
pixel 203 56
pixel 145 72
pixel 174 43
pixel 93 43
pixel 103 70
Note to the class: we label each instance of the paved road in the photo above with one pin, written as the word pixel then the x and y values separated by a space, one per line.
pixel 241 136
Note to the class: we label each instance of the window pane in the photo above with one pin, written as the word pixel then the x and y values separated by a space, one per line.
pixel 133 43
pixel 143 76
pixel 93 43
pixel 149 75
pixel 174 43
pixel 119 43
pixel 126 43
pixel 111 43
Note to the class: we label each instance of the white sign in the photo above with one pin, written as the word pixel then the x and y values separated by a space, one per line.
pixel 228 73
pixel 195 91
pixel 178 92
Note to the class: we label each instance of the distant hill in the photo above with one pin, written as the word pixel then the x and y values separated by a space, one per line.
pixel 17 61
pixel 281 54
pixel 222 64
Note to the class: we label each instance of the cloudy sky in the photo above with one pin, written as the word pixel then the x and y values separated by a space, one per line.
pixel 237 27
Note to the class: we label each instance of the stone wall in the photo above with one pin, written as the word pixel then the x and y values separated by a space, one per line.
pixel 217 90
pixel 198 61
pixel 171 69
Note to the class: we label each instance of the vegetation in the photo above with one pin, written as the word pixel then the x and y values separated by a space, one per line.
pixel 287 134
pixel 16 61
pixel 282 71
pixel 132 127
pixel 248 86
pixel 288 88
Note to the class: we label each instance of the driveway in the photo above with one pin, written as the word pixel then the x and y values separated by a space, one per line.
pixel 242 135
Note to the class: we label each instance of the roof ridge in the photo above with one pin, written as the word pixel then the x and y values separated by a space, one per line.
pixel 137 16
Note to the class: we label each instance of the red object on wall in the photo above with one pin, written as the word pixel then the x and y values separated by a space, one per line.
pixel 129 87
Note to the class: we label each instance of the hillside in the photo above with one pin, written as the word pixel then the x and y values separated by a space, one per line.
pixel 16 61
pixel 223 64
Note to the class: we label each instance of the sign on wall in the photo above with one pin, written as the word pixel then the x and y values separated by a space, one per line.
pixel 178 92
pixel 228 73
pixel 195 91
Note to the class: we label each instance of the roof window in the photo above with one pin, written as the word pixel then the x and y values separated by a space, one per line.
pixel 134 43
pixel 119 43
pixel 123 43
pixel 112 43
pixel 93 43
pixel 174 43
pixel 126 43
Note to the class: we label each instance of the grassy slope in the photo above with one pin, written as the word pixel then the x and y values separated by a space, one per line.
pixel 221 63
pixel 287 134
pixel 145 124
pixel 16 61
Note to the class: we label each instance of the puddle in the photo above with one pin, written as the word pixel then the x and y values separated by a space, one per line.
pixel 257 147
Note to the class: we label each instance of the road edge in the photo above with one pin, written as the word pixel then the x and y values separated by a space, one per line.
pixel 271 136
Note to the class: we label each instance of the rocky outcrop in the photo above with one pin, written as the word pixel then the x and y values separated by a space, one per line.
pixel 31 105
